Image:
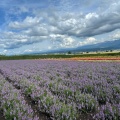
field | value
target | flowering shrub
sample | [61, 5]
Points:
[86, 102]
[65, 112]
[108, 112]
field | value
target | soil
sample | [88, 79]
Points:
[1, 115]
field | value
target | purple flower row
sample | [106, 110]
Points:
[13, 103]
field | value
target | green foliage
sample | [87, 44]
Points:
[50, 85]
[66, 112]
[59, 80]
[111, 112]
[37, 78]
[116, 93]
[102, 96]
[8, 107]
[109, 80]
[86, 102]
[89, 89]
[68, 92]
[48, 102]
[29, 89]
[116, 89]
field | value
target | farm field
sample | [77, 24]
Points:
[59, 90]
[98, 58]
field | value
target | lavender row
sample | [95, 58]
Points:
[44, 99]
[100, 79]
[13, 103]
[62, 92]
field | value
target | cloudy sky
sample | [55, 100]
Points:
[39, 25]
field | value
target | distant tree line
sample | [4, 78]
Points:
[19, 57]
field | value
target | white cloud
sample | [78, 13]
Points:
[26, 23]
[91, 16]
[80, 25]
[11, 40]
[68, 42]
[115, 35]
[37, 31]
[87, 41]
[91, 39]
[49, 47]
[28, 50]
[5, 51]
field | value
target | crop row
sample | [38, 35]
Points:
[68, 90]
[45, 100]
[13, 104]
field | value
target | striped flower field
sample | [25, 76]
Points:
[59, 90]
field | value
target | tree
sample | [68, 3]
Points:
[69, 52]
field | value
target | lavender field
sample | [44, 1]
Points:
[59, 90]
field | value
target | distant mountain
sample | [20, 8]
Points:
[107, 45]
